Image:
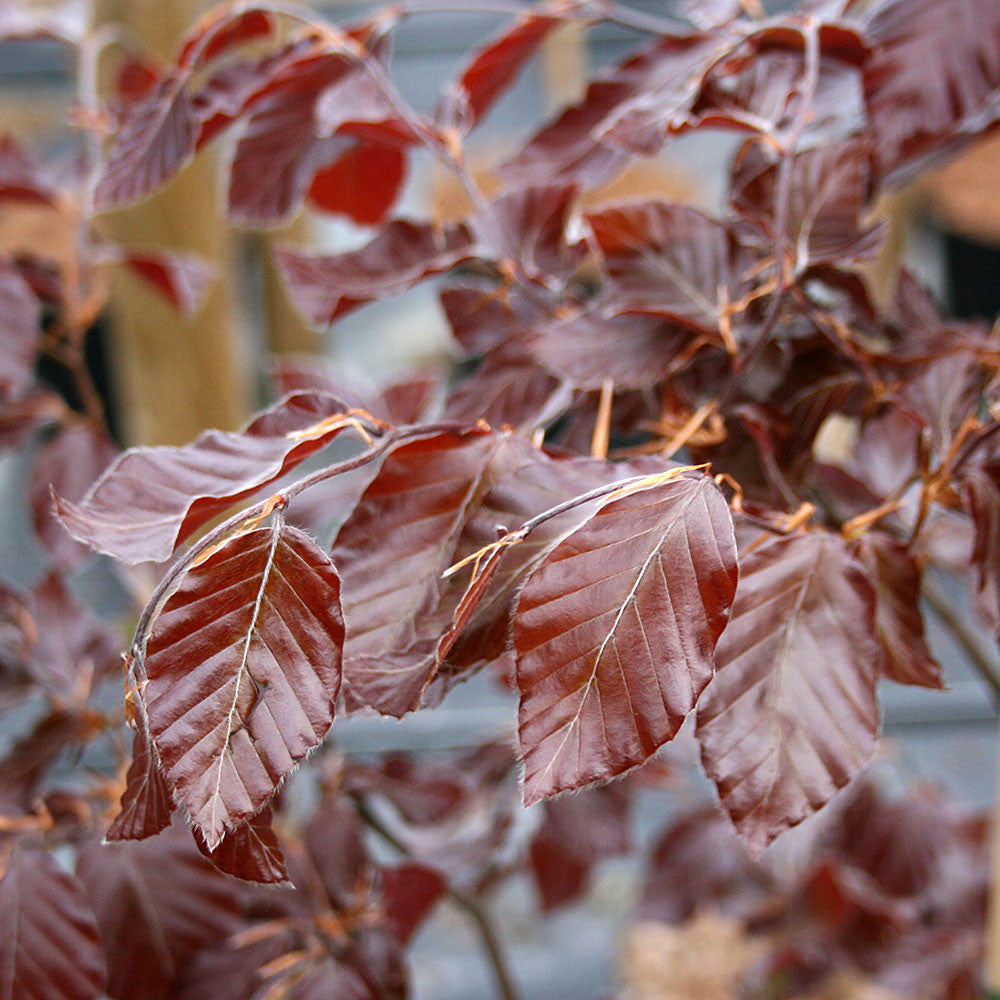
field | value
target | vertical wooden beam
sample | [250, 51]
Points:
[175, 376]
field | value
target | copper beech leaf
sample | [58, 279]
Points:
[160, 135]
[895, 575]
[249, 851]
[494, 68]
[49, 948]
[158, 903]
[615, 633]
[147, 803]
[417, 506]
[791, 716]
[670, 260]
[244, 670]
[151, 499]
[324, 288]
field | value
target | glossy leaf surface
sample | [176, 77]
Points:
[151, 499]
[244, 670]
[615, 633]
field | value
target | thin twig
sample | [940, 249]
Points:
[963, 634]
[506, 989]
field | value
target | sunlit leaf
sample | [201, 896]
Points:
[152, 499]
[244, 671]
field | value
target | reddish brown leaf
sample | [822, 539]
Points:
[895, 575]
[363, 183]
[700, 862]
[67, 463]
[418, 504]
[158, 903]
[182, 279]
[152, 499]
[634, 106]
[578, 832]
[249, 851]
[829, 195]
[49, 948]
[402, 255]
[147, 803]
[791, 716]
[157, 139]
[409, 893]
[160, 135]
[527, 482]
[280, 148]
[765, 90]
[21, 331]
[244, 670]
[494, 68]
[670, 260]
[933, 77]
[611, 653]
[504, 391]
[335, 842]
[588, 348]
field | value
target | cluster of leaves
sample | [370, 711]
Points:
[530, 517]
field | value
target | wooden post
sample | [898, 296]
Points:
[175, 376]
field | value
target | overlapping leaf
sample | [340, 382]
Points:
[673, 261]
[147, 802]
[791, 716]
[418, 504]
[402, 255]
[934, 77]
[615, 633]
[281, 148]
[633, 107]
[161, 134]
[527, 482]
[157, 903]
[152, 499]
[895, 575]
[49, 948]
[828, 196]
[244, 670]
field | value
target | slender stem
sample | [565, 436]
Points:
[963, 634]
[506, 988]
